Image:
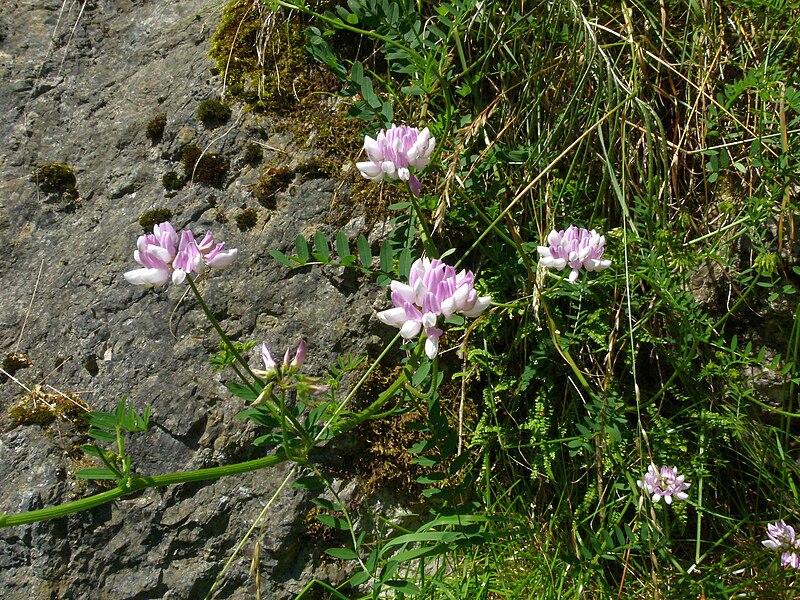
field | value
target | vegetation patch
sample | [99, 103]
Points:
[213, 113]
[13, 362]
[246, 219]
[253, 154]
[57, 178]
[208, 169]
[155, 216]
[172, 182]
[40, 407]
[155, 128]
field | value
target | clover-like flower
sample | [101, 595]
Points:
[285, 375]
[780, 536]
[271, 368]
[790, 559]
[664, 483]
[166, 254]
[574, 248]
[434, 290]
[395, 151]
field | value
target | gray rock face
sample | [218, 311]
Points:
[81, 80]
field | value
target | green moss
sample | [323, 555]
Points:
[272, 181]
[13, 362]
[209, 168]
[155, 127]
[56, 178]
[38, 407]
[153, 217]
[213, 113]
[246, 219]
[172, 181]
[253, 154]
[220, 216]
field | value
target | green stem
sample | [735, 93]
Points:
[225, 339]
[136, 483]
[427, 238]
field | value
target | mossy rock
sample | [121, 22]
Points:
[208, 169]
[56, 178]
[154, 217]
[172, 181]
[247, 219]
[155, 128]
[213, 113]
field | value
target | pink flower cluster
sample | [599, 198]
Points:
[664, 483]
[781, 536]
[395, 151]
[271, 367]
[574, 247]
[285, 374]
[434, 290]
[165, 254]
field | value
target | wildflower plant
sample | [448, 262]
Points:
[664, 483]
[782, 537]
[434, 292]
[395, 151]
[576, 248]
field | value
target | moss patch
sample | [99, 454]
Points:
[155, 128]
[247, 219]
[153, 217]
[57, 178]
[253, 154]
[208, 169]
[213, 113]
[42, 408]
[13, 362]
[272, 181]
[172, 182]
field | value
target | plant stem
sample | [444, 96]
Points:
[225, 339]
[136, 483]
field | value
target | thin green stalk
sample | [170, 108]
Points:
[135, 483]
[225, 339]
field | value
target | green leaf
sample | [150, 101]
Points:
[323, 252]
[342, 553]
[359, 578]
[95, 473]
[387, 258]
[309, 482]
[281, 258]
[404, 266]
[302, 249]
[241, 391]
[333, 522]
[326, 504]
[401, 585]
[102, 435]
[342, 245]
[364, 252]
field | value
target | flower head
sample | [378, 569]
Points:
[790, 559]
[780, 536]
[285, 375]
[664, 483]
[395, 151]
[574, 248]
[166, 254]
[434, 290]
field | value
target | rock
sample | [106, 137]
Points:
[85, 101]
